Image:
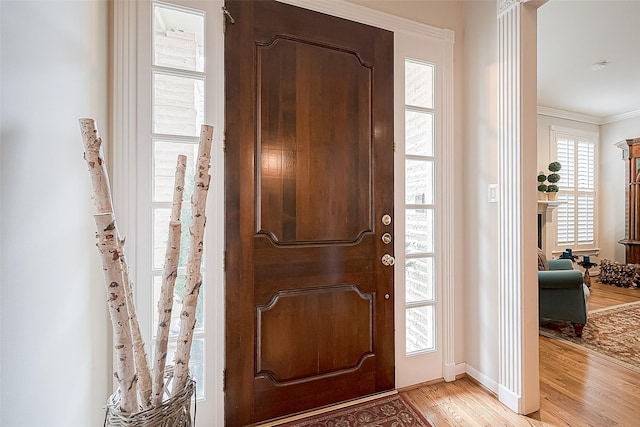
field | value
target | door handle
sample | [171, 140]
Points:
[388, 260]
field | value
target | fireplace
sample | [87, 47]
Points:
[545, 218]
[540, 224]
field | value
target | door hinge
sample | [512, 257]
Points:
[224, 260]
[395, 146]
[226, 16]
[224, 380]
[224, 141]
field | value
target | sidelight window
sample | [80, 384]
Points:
[177, 113]
[420, 296]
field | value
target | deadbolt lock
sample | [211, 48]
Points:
[386, 238]
[386, 219]
[388, 260]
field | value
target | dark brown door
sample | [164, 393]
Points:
[309, 176]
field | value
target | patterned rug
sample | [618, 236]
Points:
[613, 333]
[389, 411]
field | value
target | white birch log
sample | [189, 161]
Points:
[194, 276]
[104, 206]
[165, 304]
[117, 302]
[97, 169]
[139, 354]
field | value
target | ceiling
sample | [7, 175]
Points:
[575, 34]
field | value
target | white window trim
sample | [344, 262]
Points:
[558, 132]
[131, 30]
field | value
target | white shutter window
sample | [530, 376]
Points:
[566, 219]
[585, 218]
[565, 155]
[575, 216]
[586, 166]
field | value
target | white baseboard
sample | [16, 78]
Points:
[509, 399]
[451, 370]
[486, 381]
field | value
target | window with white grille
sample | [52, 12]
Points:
[420, 298]
[576, 213]
[168, 81]
[177, 112]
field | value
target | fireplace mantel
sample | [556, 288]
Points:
[545, 216]
[546, 207]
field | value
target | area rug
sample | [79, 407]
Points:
[612, 332]
[389, 411]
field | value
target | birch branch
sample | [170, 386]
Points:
[125, 372]
[117, 269]
[194, 276]
[97, 169]
[165, 304]
[139, 354]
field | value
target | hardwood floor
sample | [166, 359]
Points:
[607, 296]
[576, 388]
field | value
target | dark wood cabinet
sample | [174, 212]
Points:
[631, 155]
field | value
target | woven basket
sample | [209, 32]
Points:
[174, 412]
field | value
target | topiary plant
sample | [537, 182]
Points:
[554, 177]
[555, 166]
[542, 178]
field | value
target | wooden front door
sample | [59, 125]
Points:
[309, 176]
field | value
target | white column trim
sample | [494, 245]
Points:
[124, 124]
[518, 380]
[448, 206]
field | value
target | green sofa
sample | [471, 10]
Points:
[562, 294]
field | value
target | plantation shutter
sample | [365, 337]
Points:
[566, 211]
[576, 214]
[586, 194]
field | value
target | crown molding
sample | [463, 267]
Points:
[365, 15]
[621, 117]
[586, 118]
[569, 115]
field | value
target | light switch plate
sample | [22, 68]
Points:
[493, 193]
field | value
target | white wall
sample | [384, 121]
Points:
[55, 357]
[611, 183]
[479, 253]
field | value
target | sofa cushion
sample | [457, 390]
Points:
[543, 265]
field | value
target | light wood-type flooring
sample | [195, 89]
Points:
[576, 388]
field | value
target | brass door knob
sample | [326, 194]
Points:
[388, 260]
